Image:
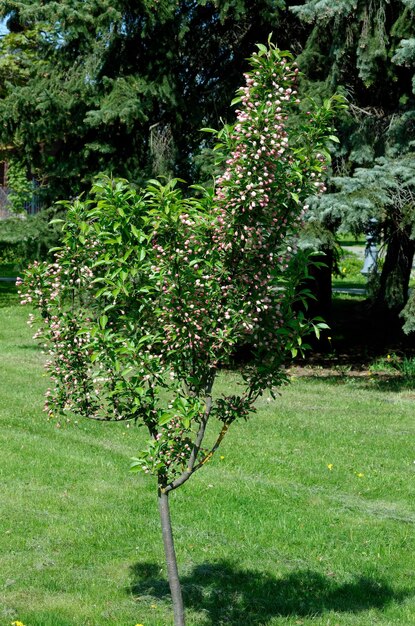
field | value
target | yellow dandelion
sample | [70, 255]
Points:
[221, 457]
[359, 474]
[17, 623]
[389, 357]
[330, 466]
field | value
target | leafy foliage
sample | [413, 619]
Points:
[20, 187]
[25, 238]
[153, 288]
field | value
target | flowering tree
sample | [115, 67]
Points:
[153, 289]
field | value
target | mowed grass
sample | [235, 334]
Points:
[305, 516]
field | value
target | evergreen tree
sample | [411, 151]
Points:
[366, 50]
[121, 87]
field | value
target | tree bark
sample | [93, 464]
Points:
[396, 271]
[320, 285]
[171, 560]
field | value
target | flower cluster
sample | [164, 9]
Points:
[272, 165]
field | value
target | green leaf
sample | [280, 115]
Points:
[165, 418]
[186, 421]
[323, 325]
[236, 101]
[103, 320]
[135, 465]
[135, 231]
[295, 197]
[262, 49]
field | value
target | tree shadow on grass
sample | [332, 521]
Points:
[229, 595]
[373, 382]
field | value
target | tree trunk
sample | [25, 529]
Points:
[171, 560]
[320, 285]
[396, 271]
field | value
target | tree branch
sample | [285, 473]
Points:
[218, 441]
[196, 446]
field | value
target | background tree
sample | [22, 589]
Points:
[121, 87]
[152, 289]
[366, 50]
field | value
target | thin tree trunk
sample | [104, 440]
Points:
[171, 560]
[394, 280]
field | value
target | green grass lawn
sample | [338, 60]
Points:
[8, 293]
[349, 239]
[306, 515]
[349, 276]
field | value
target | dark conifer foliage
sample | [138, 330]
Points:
[366, 50]
[124, 87]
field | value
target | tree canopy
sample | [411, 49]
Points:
[122, 87]
[366, 50]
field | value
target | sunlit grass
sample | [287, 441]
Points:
[349, 239]
[8, 292]
[305, 516]
[349, 274]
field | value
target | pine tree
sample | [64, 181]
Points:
[120, 87]
[366, 50]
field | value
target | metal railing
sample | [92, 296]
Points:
[32, 206]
